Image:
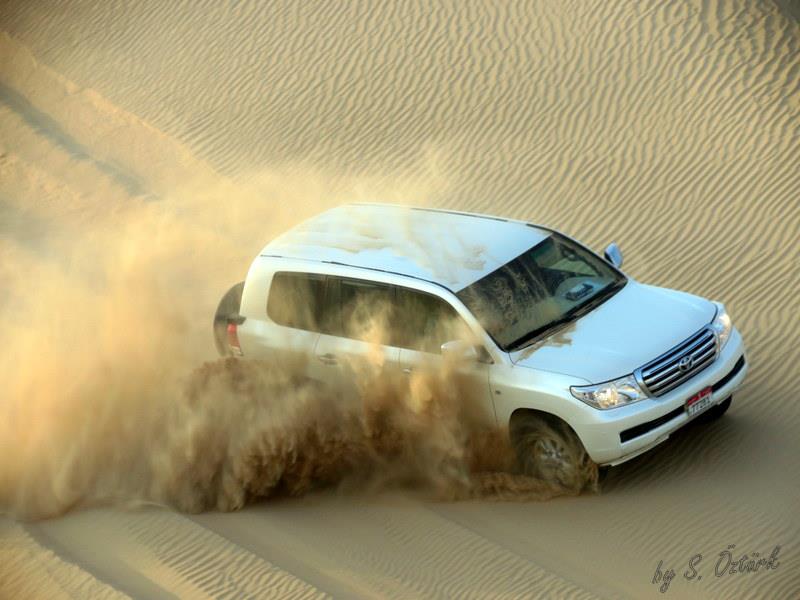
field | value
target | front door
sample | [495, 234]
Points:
[428, 321]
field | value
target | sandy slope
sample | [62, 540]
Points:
[673, 128]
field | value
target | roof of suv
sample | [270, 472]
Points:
[449, 248]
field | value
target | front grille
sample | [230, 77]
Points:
[680, 364]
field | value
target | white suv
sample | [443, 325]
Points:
[570, 351]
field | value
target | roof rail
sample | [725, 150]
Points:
[352, 266]
[435, 210]
[454, 212]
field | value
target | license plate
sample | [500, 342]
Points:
[699, 402]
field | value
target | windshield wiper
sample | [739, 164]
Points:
[572, 314]
[568, 316]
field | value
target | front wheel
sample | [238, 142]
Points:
[548, 449]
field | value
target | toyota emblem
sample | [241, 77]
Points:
[686, 363]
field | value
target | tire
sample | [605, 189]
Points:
[716, 411]
[227, 309]
[602, 474]
[548, 449]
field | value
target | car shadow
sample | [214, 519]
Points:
[697, 446]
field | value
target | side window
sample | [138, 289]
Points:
[296, 300]
[425, 322]
[367, 311]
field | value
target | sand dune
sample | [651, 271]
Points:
[672, 128]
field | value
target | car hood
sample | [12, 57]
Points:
[637, 324]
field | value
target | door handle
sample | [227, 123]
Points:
[407, 370]
[328, 358]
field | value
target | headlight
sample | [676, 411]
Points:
[612, 394]
[722, 325]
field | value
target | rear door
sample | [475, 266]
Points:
[356, 348]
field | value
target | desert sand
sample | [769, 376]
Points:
[148, 150]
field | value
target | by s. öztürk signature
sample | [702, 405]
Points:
[728, 562]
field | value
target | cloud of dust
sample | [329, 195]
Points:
[110, 396]
[111, 393]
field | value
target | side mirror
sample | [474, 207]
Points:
[459, 352]
[613, 255]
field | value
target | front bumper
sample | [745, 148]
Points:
[615, 436]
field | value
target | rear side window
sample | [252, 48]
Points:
[367, 311]
[296, 300]
[424, 322]
[364, 310]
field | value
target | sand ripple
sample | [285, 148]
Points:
[673, 128]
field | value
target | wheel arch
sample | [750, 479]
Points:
[548, 417]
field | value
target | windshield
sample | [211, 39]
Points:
[552, 283]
